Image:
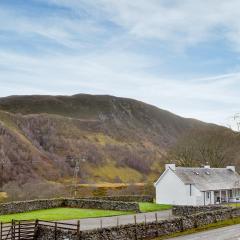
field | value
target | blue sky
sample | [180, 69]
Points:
[180, 55]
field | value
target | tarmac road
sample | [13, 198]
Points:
[225, 233]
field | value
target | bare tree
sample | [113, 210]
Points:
[214, 146]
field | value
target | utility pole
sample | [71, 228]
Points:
[236, 119]
[75, 175]
[2, 162]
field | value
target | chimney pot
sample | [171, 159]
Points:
[207, 166]
[171, 166]
[231, 168]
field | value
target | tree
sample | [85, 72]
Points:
[213, 146]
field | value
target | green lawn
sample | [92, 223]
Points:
[151, 207]
[233, 205]
[61, 214]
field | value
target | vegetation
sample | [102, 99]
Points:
[203, 228]
[151, 207]
[233, 205]
[56, 214]
[121, 140]
[207, 145]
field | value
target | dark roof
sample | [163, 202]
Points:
[209, 178]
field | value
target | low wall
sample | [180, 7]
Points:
[26, 206]
[102, 204]
[125, 198]
[189, 210]
[141, 231]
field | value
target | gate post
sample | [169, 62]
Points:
[1, 230]
[19, 230]
[13, 230]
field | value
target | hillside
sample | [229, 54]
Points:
[121, 140]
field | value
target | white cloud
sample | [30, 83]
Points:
[120, 70]
[125, 76]
[62, 29]
[181, 22]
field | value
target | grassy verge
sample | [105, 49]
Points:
[152, 207]
[233, 205]
[56, 214]
[220, 224]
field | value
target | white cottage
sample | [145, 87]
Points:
[197, 186]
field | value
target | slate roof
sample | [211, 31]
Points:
[209, 179]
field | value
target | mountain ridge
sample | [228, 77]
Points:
[122, 140]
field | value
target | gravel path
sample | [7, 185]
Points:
[93, 223]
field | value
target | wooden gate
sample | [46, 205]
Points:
[18, 230]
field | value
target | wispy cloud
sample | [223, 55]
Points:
[178, 21]
[126, 48]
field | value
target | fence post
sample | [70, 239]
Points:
[181, 221]
[78, 227]
[36, 229]
[101, 223]
[135, 222]
[55, 231]
[1, 230]
[117, 222]
[156, 218]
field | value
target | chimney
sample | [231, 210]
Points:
[207, 166]
[231, 168]
[171, 166]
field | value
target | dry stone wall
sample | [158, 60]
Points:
[141, 231]
[188, 210]
[102, 204]
[125, 198]
[26, 206]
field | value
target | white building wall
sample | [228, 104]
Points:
[171, 190]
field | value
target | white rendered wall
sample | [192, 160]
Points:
[171, 190]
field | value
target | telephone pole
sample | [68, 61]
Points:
[77, 162]
[236, 119]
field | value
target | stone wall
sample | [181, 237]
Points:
[188, 210]
[125, 198]
[142, 231]
[102, 204]
[26, 206]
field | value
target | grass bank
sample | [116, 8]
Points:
[220, 224]
[58, 214]
[152, 207]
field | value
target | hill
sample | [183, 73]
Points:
[121, 140]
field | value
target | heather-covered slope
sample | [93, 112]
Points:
[121, 139]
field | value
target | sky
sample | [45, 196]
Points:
[179, 55]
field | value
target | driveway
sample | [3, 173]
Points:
[225, 233]
[93, 223]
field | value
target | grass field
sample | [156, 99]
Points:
[152, 207]
[76, 213]
[61, 214]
